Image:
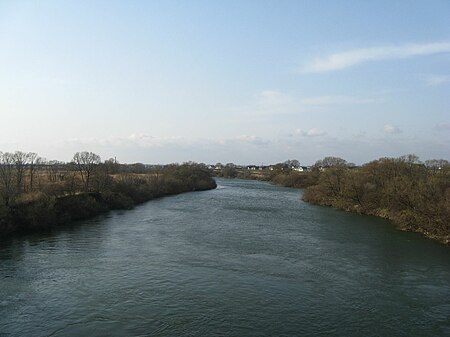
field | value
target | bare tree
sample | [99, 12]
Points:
[294, 163]
[331, 162]
[410, 159]
[112, 165]
[102, 178]
[437, 164]
[53, 169]
[20, 163]
[33, 161]
[86, 163]
[7, 176]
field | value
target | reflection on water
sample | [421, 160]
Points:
[245, 259]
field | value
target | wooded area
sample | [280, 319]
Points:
[36, 194]
[415, 195]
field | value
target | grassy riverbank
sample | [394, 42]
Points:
[67, 198]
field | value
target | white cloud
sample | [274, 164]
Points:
[240, 140]
[392, 129]
[342, 60]
[314, 132]
[254, 140]
[435, 80]
[141, 147]
[306, 146]
[144, 141]
[136, 139]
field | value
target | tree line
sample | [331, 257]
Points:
[36, 194]
[414, 194]
[25, 172]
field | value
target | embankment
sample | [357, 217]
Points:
[42, 211]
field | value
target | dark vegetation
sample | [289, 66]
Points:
[36, 194]
[414, 195]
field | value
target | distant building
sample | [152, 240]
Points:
[301, 169]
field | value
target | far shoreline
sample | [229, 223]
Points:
[390, 216]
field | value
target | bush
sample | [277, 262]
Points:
[34, 214]
[116, 200]
[77, 207]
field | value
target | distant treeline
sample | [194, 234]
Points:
[36, 194]
[414, 194]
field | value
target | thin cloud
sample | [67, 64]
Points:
[314, 132]
[342, 60]
[435, 80]
[146, 141]
[241, 140]
[392, 129]
[254, 140]
[336, 100]
[136, 139]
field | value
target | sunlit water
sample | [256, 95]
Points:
[246, 259]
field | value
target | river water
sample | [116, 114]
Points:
[246, 259]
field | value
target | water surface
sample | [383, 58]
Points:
[247, 259]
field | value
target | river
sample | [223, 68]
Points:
[246, 259]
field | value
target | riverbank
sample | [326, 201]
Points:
[432, 228]
[41, 211]
[414, 197]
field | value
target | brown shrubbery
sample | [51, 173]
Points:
[62, 193]
[414, 195]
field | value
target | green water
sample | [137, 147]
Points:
[247, 259]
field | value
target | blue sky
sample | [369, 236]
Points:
[225, 81]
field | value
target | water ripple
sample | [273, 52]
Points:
[247, 259]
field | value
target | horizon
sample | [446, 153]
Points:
[47, 161]
[245, 83]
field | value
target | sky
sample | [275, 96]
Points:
[249, 82]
